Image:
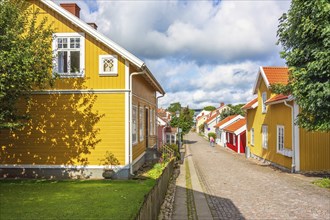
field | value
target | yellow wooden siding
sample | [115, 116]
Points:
[68, 129]
[314, 151]
[93, 48]
[277, 114]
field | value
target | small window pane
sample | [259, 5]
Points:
[62, 61]
[75, 62]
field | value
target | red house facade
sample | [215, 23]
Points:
[236, 136]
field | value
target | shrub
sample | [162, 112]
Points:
[212, 134]
[201, 128]
[176, 150]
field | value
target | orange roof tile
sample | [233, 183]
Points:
[211, 118]
[276, 74]
[250, 103]
[225, 120]
[276, 98]
[236, 125]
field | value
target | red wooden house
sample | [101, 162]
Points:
[236, 135]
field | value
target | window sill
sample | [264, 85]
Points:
[285, 152]
[71, 76]
[108, 74]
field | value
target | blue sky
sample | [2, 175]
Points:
[202, 52]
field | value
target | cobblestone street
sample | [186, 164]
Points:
[240, 188]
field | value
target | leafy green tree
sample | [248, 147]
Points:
[304, 33]
[209, 108]
[174, 107]
[232, 110]
[184, 121]
[25, 58]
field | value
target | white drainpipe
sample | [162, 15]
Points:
[130, 120]
[293, 165]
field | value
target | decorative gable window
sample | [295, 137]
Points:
[265, 136]
[108, 65]
[69, 50]
[264, 99]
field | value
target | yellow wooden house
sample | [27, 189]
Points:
[103, 101]
[272, 134]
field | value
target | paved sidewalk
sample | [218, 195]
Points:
[238, 188]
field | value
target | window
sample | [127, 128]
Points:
[280, 138]
[264, 99]
[152, 122]
[108, 65]
[141, 125]
[168, 138]
[134, 125]
[234, 140]
[265, 136]
[252, 136]
[228, 138]
[172, 139]
[69, 50]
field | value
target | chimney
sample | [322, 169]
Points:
[73, 8]
[222, 104]
[93, 25]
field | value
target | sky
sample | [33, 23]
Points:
[201, 52]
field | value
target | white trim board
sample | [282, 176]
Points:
[80, 91]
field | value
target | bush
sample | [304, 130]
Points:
[212, 134]
[201, 128]
[176, 150]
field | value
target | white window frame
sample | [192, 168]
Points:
[114, 72]
[264, 99]
[252, 136]
[81, 49]
[134, 124]
[234, 140]
[172, 138]
[265, 136]
[168, 138]
[141, 123]
[280, 139]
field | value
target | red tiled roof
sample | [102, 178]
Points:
[276, 98]
[225, 120]
[211, 118]
[276, 74]
[250, 103]
[236, 125]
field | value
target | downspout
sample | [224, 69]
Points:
[161, 96]
[130, 120]
[293, 165]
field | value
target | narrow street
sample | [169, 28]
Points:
[220, 184]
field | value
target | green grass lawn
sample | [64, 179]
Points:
[324, 183]
[72, 199]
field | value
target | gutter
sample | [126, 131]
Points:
[293, 165]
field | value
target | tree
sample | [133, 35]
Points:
[232, 110]
[209, 108]
[174, 107]
[184, 121]
[25, 58]
[304, 33]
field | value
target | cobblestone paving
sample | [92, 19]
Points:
[239, 188]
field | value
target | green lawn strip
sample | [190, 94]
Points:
[89, 199]
[191, 207]
[324, 183]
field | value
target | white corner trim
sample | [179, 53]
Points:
[88, 29]
[296, 136]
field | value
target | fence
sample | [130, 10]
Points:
[153, 201]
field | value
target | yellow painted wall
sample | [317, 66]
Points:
[278, 114]
[67, 129]
[93, 49]
[314, 151]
